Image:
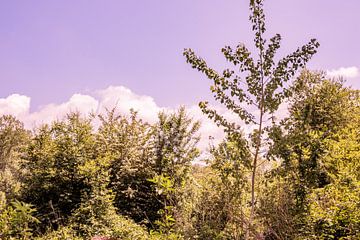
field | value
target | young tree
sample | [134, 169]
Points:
[253, 83]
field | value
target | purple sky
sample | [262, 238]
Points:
[50, 50]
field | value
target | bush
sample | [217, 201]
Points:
[15, 219]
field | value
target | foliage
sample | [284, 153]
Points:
[317, 147]
[13, 138]
[164, 187]
[319, 109]
[96, 214]
[54, 161]
[334, 210]
[263, 88]
[175, 145]
[219, 193]
[62, 233]
[129, 179]
[127, 142]
[15, 219]
[174, 142]
[277, 208]
[80, 180]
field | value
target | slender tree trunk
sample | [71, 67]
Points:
[253, 176]
[257, 147]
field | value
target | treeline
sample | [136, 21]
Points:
[128, 179]
[84, 182]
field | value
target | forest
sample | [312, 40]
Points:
[112, 176]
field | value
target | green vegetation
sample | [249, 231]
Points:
[132, 180]
[265, 87]
[291, 178]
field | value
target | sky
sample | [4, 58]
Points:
[57, 56]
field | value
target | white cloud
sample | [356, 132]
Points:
[123, 99]
[84, 104]
[346, 72]
[15, 104]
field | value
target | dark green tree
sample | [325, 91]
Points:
[54, 162]
[252, 83]
[127, 142]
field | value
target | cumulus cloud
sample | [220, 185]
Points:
[15, 104]
[123, 99]
[84, 104]
[347, 72]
